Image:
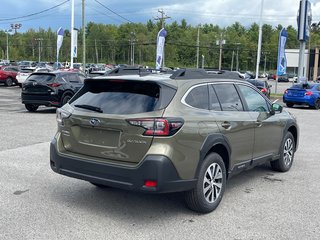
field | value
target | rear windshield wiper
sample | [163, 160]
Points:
[89, 107]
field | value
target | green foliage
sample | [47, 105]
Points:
[112, 44]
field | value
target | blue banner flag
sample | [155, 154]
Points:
[160, 47]
[282, 60]
[60, 34]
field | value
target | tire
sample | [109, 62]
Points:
[9, 82]
[31, 107]
[290, 105]
[317, 104]
[209, 190]
[65, 98]
[284, 163]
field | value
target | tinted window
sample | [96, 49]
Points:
[214, 102]
[198, 97]
[26, 70]
[253, 99]
[72, 78]
[41, 77]
[82, 78]
[228, 97]
[117, 97]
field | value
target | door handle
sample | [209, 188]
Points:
[226, 125]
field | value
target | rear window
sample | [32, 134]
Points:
[42, 77]
[257, 83]
[303, 86]
[123, 97]
[26, 70]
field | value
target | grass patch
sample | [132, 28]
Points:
[276, 95]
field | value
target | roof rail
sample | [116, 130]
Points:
[198, 73]
[136, 71]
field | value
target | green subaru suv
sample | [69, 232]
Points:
[186, 132]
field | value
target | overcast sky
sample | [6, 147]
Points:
[221, 12]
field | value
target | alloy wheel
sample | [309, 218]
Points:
[288, 152]
[212, 183]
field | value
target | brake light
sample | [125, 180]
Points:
[308, 93]
[158, 126]
[54, 85]
[264, 90]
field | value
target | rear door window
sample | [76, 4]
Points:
[228, 97]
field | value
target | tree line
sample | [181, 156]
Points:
[106, 43]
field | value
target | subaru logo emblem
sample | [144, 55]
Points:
[94, 122]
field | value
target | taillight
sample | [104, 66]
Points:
[158, 126]
[308, 93]
[61, 115]
[54, 85]
[264, 90]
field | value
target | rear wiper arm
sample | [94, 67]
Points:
[89, 107]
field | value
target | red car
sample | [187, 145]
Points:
[8, 75]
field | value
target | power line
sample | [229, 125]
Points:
[33, 14]
[113, 11]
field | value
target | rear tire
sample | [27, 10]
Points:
[31, 107]
[317, 104]
[9, 82]
[284, 163]
[65, 99]
[290, 105]
[211, 184]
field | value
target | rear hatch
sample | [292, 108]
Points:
[39, 84]
[101, 125]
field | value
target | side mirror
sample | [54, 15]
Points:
[276, 108]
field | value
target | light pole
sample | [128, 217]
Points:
[7, 32]
[40, 40]
[15, 26]
[220, 42]
[237, 57]
[259, 41]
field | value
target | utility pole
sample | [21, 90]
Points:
[232, 60]
[198, 42]
[237, 57]
[96, 50]
[162, 20]
[39, 45]
[83, 38]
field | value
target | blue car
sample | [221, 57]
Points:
[303, 94]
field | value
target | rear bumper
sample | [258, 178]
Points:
[154, 167]
[299, 101]
[41, 100]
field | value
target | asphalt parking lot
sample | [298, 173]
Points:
[36, 203]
